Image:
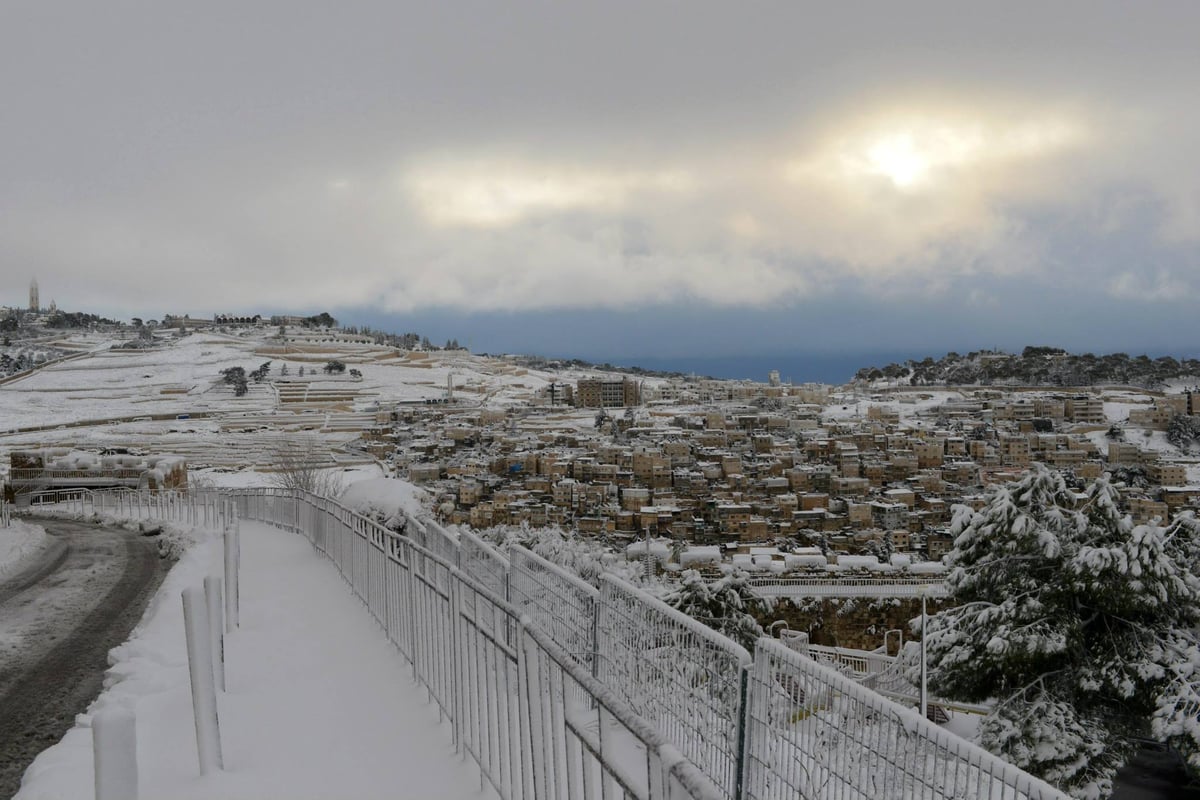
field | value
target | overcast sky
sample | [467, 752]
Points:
[616, 178]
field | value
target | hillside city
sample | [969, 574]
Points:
[764, 474]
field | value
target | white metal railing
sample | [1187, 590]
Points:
[556, 601]
[484, 563]
[562, 691]
[879, 672]
[537, 723]
[207, 508]
[812, 732]
[681, 675]
[847, 587]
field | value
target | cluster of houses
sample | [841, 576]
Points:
[768, 467]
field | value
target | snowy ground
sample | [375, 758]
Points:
[130, 398]
[319, 704]
[20, 542]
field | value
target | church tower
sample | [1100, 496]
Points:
[34, 304]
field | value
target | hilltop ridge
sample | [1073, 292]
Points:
[1035, 366]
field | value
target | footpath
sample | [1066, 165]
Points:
[318, 704]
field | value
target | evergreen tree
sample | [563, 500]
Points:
[1184, 431]
[1075, 622]
[726, 605]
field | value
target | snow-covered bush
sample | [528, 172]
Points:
[587, 558]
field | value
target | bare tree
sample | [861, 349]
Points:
[304, 464]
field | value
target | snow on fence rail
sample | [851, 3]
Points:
[557, 602]
[881, 673]
[536, 722]
[812, 732]
[482, 562]
[681, 675]
[848, 587]
[541, 722]
[196, 508]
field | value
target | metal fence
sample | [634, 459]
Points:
[434, 538]
[797, 586]
[557, 602]
[484, 563]
[684, 677]
[197, 508]
[536, 722]
[812, 732]
[541, 686]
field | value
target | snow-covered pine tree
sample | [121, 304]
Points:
[726, 605]
[1076, 622]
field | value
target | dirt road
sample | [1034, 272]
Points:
[58, 620]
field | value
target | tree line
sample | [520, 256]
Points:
[1035, 366]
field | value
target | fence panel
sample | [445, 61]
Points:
[685, 678]
[434, 538]
[812, 732]
[487, 709]
[197, 508]
[430, 587]
[484, 563]
[557, 602]
[583, 740]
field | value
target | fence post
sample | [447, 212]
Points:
[536, 696]
[213, 600]
[525, 715]
[204, 693]
[114, 749]
[457, 659]
[233, 558]
[743, 730]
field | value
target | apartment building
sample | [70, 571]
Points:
[607, 393]
[1084, 408]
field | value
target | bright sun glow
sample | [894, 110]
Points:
[897, 158]
[917, 154]
[913, 157]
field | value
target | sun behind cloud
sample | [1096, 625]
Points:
[919, 151]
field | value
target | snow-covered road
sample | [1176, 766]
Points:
[59, 617]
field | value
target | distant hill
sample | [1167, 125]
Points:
[1035, 366]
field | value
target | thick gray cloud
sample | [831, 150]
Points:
[765, 160]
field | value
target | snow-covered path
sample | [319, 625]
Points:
[319, 704]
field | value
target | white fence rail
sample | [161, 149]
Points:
[538, 724]
[848, 587]
[557, 690]
[557, 602]
[198, 508]
[484, 563]
[814, 733]
[681, 675]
